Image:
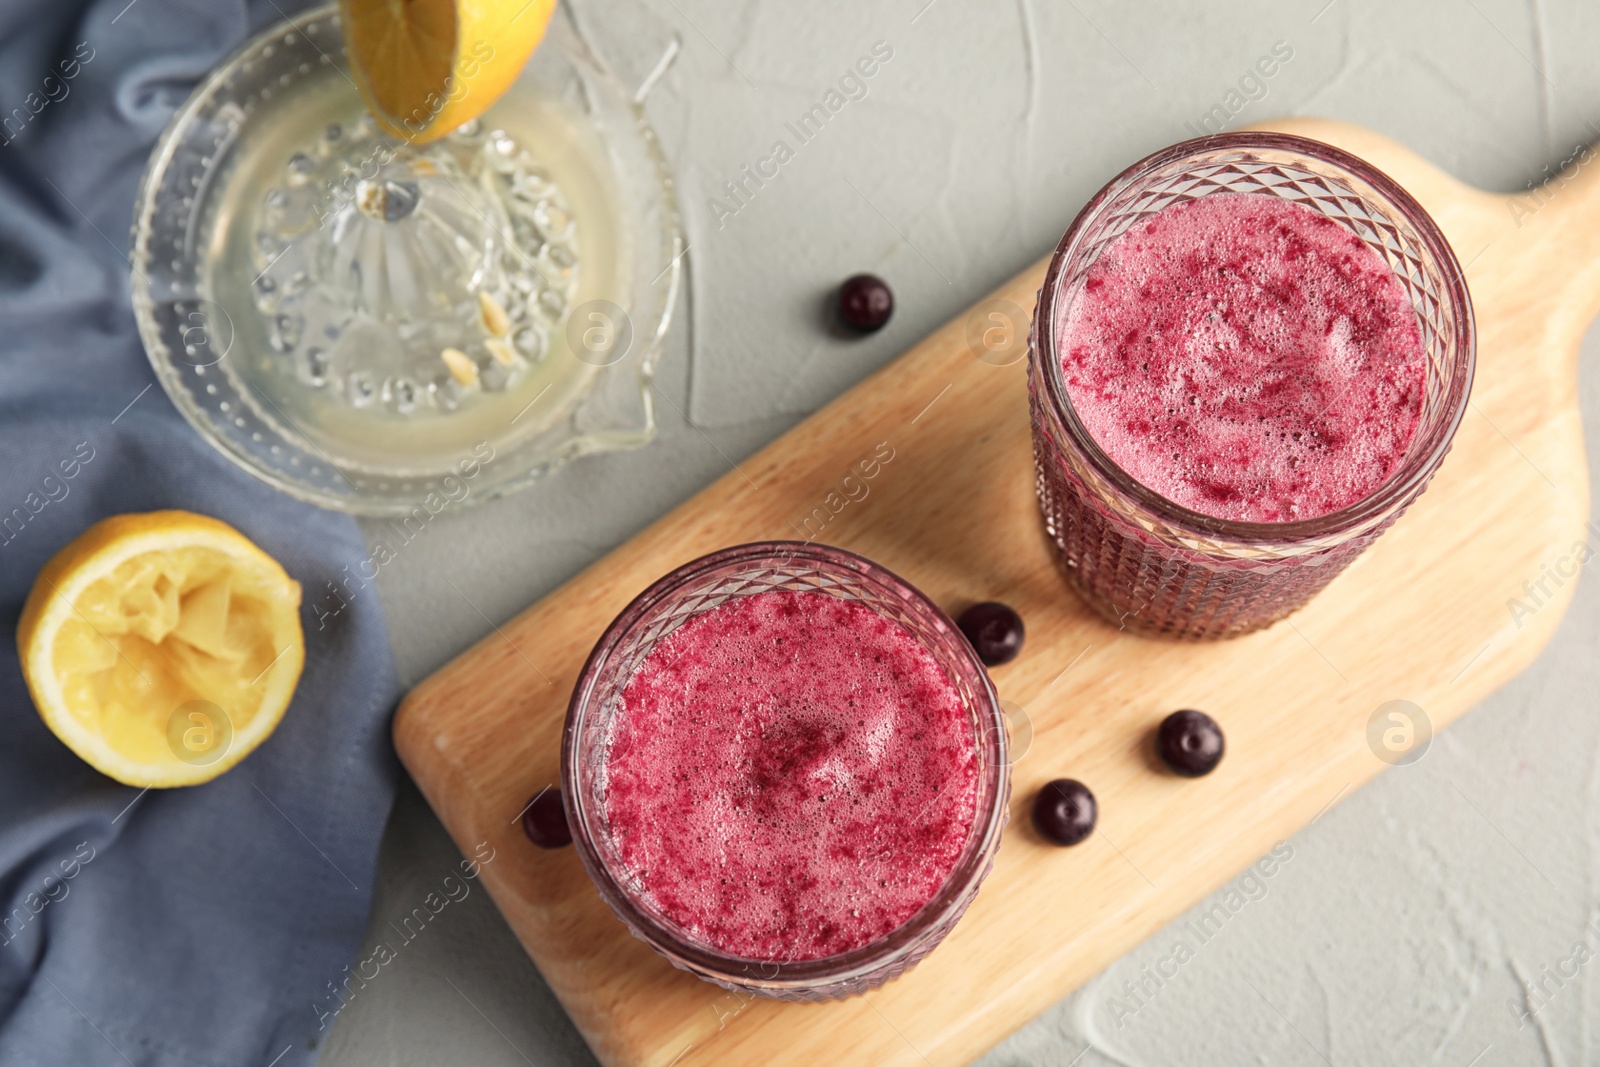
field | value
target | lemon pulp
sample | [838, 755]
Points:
[163, 647]
[162, 630]
[425, 67]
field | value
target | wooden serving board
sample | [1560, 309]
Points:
[1423, 616]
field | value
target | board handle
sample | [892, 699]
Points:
[1552, 231]
[1574, 182]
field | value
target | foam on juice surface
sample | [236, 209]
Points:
[1247, 358]
[790, 776]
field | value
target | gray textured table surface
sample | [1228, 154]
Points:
[1412, 916]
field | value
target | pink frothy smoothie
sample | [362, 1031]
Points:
[1247, 358]
[790, 776]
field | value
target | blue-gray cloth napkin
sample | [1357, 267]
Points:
[193, 927]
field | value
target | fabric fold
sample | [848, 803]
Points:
[174, 928]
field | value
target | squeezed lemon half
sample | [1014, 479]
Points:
[425, 67]
[162, 647]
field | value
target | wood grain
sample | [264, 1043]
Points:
[1425, 616]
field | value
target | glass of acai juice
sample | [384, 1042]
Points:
[1248, 358]
[786, 771]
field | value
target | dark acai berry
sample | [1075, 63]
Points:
[544, 820]
[865, 302]
[994, 630]
[1064, 811]
[1190, 742]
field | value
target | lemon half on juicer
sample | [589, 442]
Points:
[162, 647]
[424, 67]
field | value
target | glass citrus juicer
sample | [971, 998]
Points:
[358, 303]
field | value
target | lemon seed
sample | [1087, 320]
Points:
[462, 369]
[499, 350]
[495, 319]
